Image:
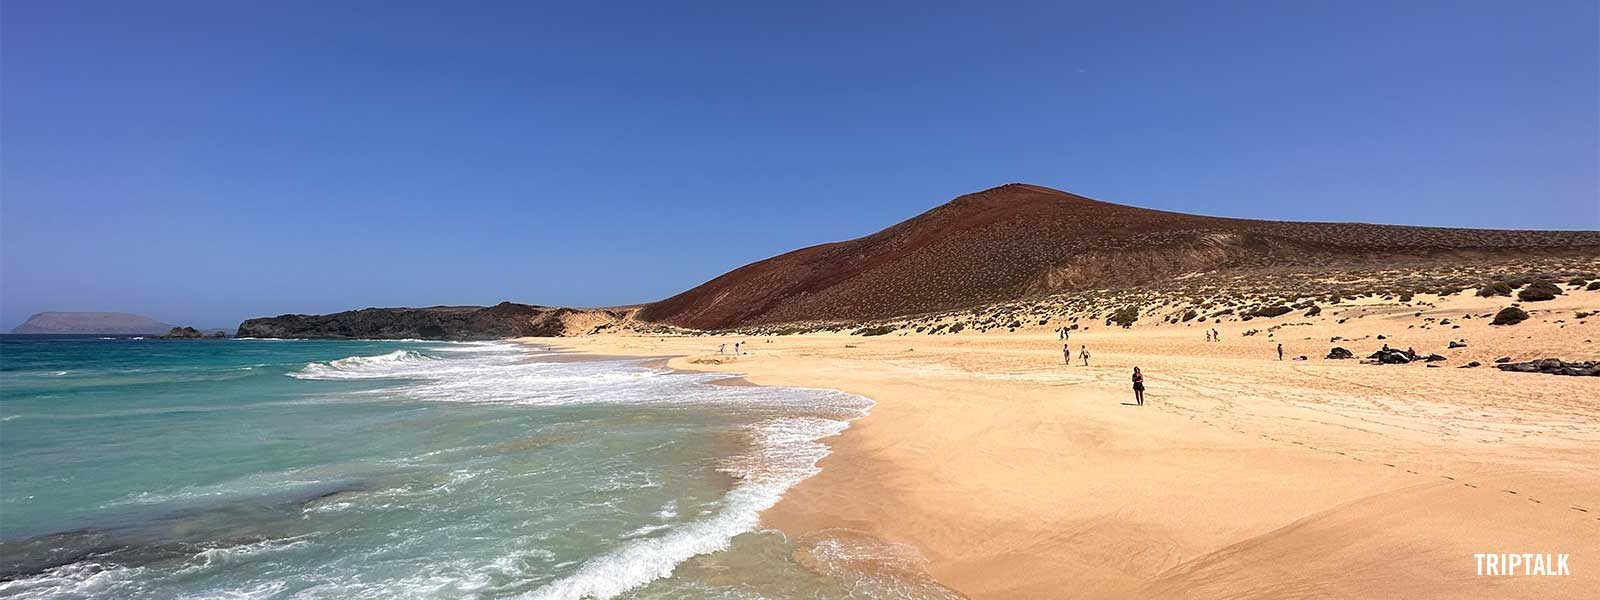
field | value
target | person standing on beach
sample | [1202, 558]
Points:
[1208, 335]
[1280, 351]
[1066, 354]
[1085, 355]
[722, 348]
[1138, 386]
[736, 348]
[1215, 337]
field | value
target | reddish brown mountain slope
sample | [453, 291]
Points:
[1019, 240]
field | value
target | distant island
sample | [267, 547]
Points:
[92, 322]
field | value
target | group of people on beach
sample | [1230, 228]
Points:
[723, 348]
[1212, 335]
[1138, 378]
[1066, 354]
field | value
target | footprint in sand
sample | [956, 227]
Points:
[1512, 492]
[1469, 485]
[1448, 477]
[1578, 508]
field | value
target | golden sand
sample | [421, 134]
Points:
[1019, 477]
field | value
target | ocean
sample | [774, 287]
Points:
[138, 468]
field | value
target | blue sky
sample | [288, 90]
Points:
[209, 161]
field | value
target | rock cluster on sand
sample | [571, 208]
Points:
[1338, 353]
[1391, 356]
[182, 333]
[1555, 366]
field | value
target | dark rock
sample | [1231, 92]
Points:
[1502, 360]
[1383, 337]
[1434, 358]
[1271, 311]
[1390, 356]
[182, 333]
[1471, 365]
[1338, 353]
[1460, 344]
[1509, 315]
[1314, 311]
[1555, 366]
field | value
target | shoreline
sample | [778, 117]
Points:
[1017, 477]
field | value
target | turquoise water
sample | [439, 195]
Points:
[133, 468]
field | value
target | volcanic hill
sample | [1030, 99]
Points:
[1017, 241]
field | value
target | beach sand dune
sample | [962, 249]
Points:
[1243, 477]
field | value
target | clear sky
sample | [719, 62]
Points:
[203, 162]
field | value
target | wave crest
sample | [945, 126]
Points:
[393, 364]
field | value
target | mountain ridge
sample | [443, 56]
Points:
[1019, 240]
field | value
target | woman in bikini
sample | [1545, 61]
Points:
[1138, 386]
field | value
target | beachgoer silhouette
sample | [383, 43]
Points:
[1280, 351]
[1138, 386]
[1066, 353]
[722, 348]
[1085, 355]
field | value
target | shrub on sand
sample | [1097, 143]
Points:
[1539, 291]
[1510, 315]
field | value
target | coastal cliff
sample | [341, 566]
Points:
[504, 320]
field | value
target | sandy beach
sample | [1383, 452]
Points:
[1017, 476]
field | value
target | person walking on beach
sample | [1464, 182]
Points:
[1084, 355]
[1138, 386]
[1066, 354]
[736, 348]
[722, 348]
[1208, 335]
[1280, 351]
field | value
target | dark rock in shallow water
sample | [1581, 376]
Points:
[182, 333]
[1338, 353]
[1555, 366]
